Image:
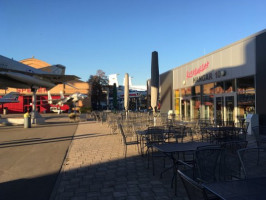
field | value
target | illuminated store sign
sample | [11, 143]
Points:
[198, 70]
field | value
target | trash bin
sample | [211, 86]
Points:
[27, 120]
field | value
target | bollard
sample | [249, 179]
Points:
[27, 120]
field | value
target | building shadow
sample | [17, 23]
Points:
[119, 179]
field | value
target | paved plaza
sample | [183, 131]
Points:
[95, 168]
[92, 160]
[31, 159]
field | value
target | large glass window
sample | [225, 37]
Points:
[246, 104]
[245, 84]
[27, 100]
[207, 107]
[245, 96]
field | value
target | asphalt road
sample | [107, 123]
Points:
[30, 159]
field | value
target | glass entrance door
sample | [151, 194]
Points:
[185, 109]
[225, 109]
[229, 108]
[219, 110]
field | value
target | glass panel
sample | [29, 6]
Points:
[246, 104]
[245, 84]
[185, 109]
[229, 86]
[177, 93]
[177, 106]
[219, 110]
[229, 107]
[188, 91]
[25, 101]
[183, 92]
[38, 100]
[188, 109]
[207, 107]
[208, 88]
[195, 90]
[195, 108]
[219, 87]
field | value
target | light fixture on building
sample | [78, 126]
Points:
[223, 73]
[184, 82]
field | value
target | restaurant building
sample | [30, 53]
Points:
[42, 105]
[223, 85]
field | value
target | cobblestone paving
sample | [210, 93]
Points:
[95, 169]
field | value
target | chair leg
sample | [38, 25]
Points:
[125, 151]
[153, 171]
[148, 157]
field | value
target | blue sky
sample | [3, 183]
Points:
[118, 36]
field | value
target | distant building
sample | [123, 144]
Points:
[25, 98]
[137, 95]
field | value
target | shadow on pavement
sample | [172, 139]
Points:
[118, 179]
[34, 141]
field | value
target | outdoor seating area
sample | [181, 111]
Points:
[200, 153]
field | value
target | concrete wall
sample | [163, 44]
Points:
[236, 60]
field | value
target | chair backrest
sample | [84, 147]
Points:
[189, 133]
[207, 163]
[155, 134]
[176, 132]
[193, 189]
[230, 163]
[253, 162]
[233, 146]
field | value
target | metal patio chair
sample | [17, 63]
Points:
[206, 164]
[230, 163]
[155, 135]
[253, 162]
[125, 141]
[207, 161]
[195, 190]
[260, 135]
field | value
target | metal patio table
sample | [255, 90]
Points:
[169, 149]
[245, 189]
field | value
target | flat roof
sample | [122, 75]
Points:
[221, 49]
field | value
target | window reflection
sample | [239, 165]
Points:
[208, 88]
[186, 92]
[219, 87]
[245, 84]
[195, 108]
[229, 86]
[207, 107]
[245, 96]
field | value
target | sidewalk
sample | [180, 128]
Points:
[95, 169]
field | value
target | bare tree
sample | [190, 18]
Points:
[97, 82]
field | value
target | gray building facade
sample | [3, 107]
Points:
[224, 85]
